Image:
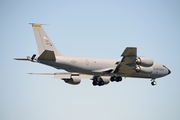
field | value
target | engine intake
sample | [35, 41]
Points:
[144, 61]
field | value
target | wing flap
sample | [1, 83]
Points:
[107, 70]
[62, 75]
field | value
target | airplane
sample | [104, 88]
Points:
[100, 70]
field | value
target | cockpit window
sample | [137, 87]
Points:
[165, 66]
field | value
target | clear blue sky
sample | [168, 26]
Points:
[93, 28]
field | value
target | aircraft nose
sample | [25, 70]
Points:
[169, 72]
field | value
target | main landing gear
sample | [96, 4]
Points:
[153, 82]
[97, 81]
[117, 79]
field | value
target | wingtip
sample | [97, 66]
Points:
[130, 51]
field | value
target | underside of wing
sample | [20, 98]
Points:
[69, 75]
[126, 66]
[106, 70]
[64, 75]
[70, 78]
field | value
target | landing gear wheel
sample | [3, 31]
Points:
[95, 82]
[118, 79]
[153, 83]
[113, 78]
[101, 83]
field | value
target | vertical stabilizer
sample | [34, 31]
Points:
[44, 43]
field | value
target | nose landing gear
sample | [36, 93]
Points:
[153, 82]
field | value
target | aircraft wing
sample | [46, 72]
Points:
[130, 51]
[127, 65]
[64, 75]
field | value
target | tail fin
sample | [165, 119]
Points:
[47, 50]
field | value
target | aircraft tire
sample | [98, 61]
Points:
[113, 78]
[119, 79]
[94, 83]
[101, 83]
[153, 83]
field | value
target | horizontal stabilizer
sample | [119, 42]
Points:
[47, 55]
[25, 59]
[21, 59]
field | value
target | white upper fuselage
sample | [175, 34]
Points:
[100, 67]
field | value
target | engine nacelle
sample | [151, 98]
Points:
[74, 80]
[144, 61]
[105, 79]
[146, 70]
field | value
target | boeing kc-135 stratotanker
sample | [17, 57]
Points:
[100, 71]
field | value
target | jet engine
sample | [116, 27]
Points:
[144, 61]
[141, 69]
[74, 80]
